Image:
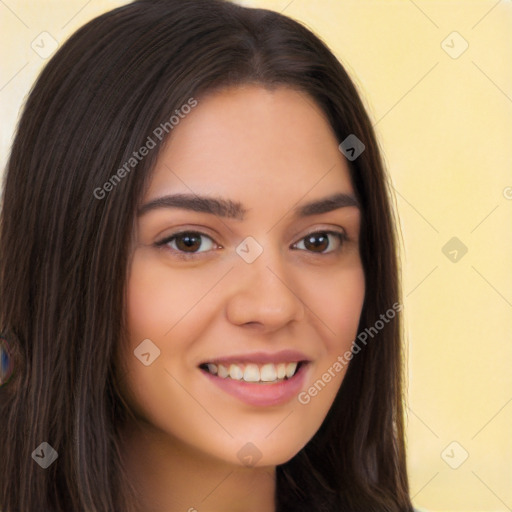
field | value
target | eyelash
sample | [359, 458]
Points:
[340, 235]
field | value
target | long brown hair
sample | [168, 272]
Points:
[64, 252]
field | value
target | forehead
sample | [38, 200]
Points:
[250, 140]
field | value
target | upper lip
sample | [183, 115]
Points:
[284, 356]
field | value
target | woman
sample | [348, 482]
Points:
[198, 275]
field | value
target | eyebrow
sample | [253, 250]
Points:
[235, 210]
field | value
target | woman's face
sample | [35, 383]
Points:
[240, 273]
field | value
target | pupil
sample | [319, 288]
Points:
[189, 242]
[323, 242]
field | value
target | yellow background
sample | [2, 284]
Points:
[445, 126]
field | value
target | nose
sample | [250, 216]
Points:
[264, 293]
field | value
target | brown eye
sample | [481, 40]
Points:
[320, 241]
[187, 242]
[317, 242]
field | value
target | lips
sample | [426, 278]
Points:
[284, 356]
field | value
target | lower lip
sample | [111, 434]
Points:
[262, 394]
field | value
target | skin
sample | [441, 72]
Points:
[272, 151]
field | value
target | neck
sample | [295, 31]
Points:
[173, 477]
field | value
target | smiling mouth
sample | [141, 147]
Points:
[267, 373]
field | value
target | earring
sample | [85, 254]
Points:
[6, 363]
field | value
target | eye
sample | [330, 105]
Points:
[187, 243]
[319, 241]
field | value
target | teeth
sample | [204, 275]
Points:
[235, 372]
[290, 369]
[268, 372]
[251, 372]
[222, 372]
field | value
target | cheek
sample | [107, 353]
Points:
[149, 317]
[163, 305]
[337, 306]
[157, 299]
[348, 311]
[337, 300]
[146, 306]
